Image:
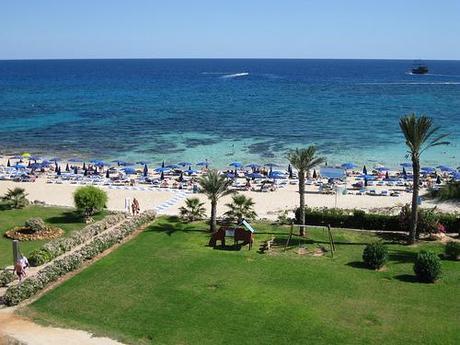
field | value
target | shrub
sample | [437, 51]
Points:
[35, 224]
[428, 219]
[40, 256]
[193, 210]
[427, 267]
[241, 207]
[450, 191]
[452, 250]
[6, 277]
[89, 200]
[16, 198]
[375, 255]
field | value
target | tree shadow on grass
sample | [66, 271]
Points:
[358, 264]
[407, 278]
[65, 218]
[230, 248]
[172, 226]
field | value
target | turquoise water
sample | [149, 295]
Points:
[224, 110]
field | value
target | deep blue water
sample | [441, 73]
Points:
[223, 110]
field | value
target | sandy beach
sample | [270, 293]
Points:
[267, 205]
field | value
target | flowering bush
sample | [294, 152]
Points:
[59, 246]
[30, 286]
[6, 277]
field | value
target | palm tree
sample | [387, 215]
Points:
[193, 210]
[303, 160]
[241, 207]
[214, 186]
[17, 197]
[420, 135]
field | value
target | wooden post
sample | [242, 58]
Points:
[290, 236]
[15, 251]
[331, 240]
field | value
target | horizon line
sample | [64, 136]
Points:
[220, 58]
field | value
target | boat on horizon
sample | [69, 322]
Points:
[419, 68]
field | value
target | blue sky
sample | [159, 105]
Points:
[407, 29]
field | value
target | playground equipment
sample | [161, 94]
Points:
[244, 233]
[329, 233]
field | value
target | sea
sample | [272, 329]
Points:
[224, 110]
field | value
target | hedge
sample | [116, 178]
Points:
[30, 286]
[59, 246]
[358, 219]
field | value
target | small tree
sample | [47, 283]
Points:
[420, 135]
[16, 198]
[215, 186]
[89, 200]
[241, 207]
[303, 160]
[193, 210]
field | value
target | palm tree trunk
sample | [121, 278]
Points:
[213, 216]
[414, 213]
[302, 201]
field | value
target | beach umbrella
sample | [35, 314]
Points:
[8, 164]
[315, 175]
[25, 155]
[162, 176]
[190, 171]
[107, 173]
[348, 165]
[456, 176]
[252, 165]
[387, 175]
[172, 166]
[381, 168]
[162, 170]
[406, 165]
[271, 165]
[67, 167]
[230, 175]
[99, 164]
[235, 164]
[203, 164]
[364, 170]
[445, 168]
[255, 175]
[438, 180]
[75, 170]
[427, 170]
[146, 170]
[125, 164]
[34, 158]
[142, 162]
[19, 166]
[46, 163]
[129, 170]
[84, 166]
[184, 164]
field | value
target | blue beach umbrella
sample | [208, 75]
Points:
[172, 166]
[348, 165]
[445, 168]
[142, 162]
[125, 164]
[146, 170]
[381, 169]
[184, 164]
[235, 164]
[129, 170]
[162, 170]
[34, 158]
[230, 175]
[332, 172]
[100, 164]
[364, 170]
[271, 165]
[456, 176]
[406, 165]
[190, 171]
[427, 170]
[203, 164]
[20, 166]
[252, 165]
[255, 175]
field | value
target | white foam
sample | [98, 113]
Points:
[236, 75]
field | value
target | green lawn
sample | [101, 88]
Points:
[64, 218]
[167, 287]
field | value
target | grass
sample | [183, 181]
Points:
[167, 287]
[64, 218]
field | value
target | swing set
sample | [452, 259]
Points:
[292, 234]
